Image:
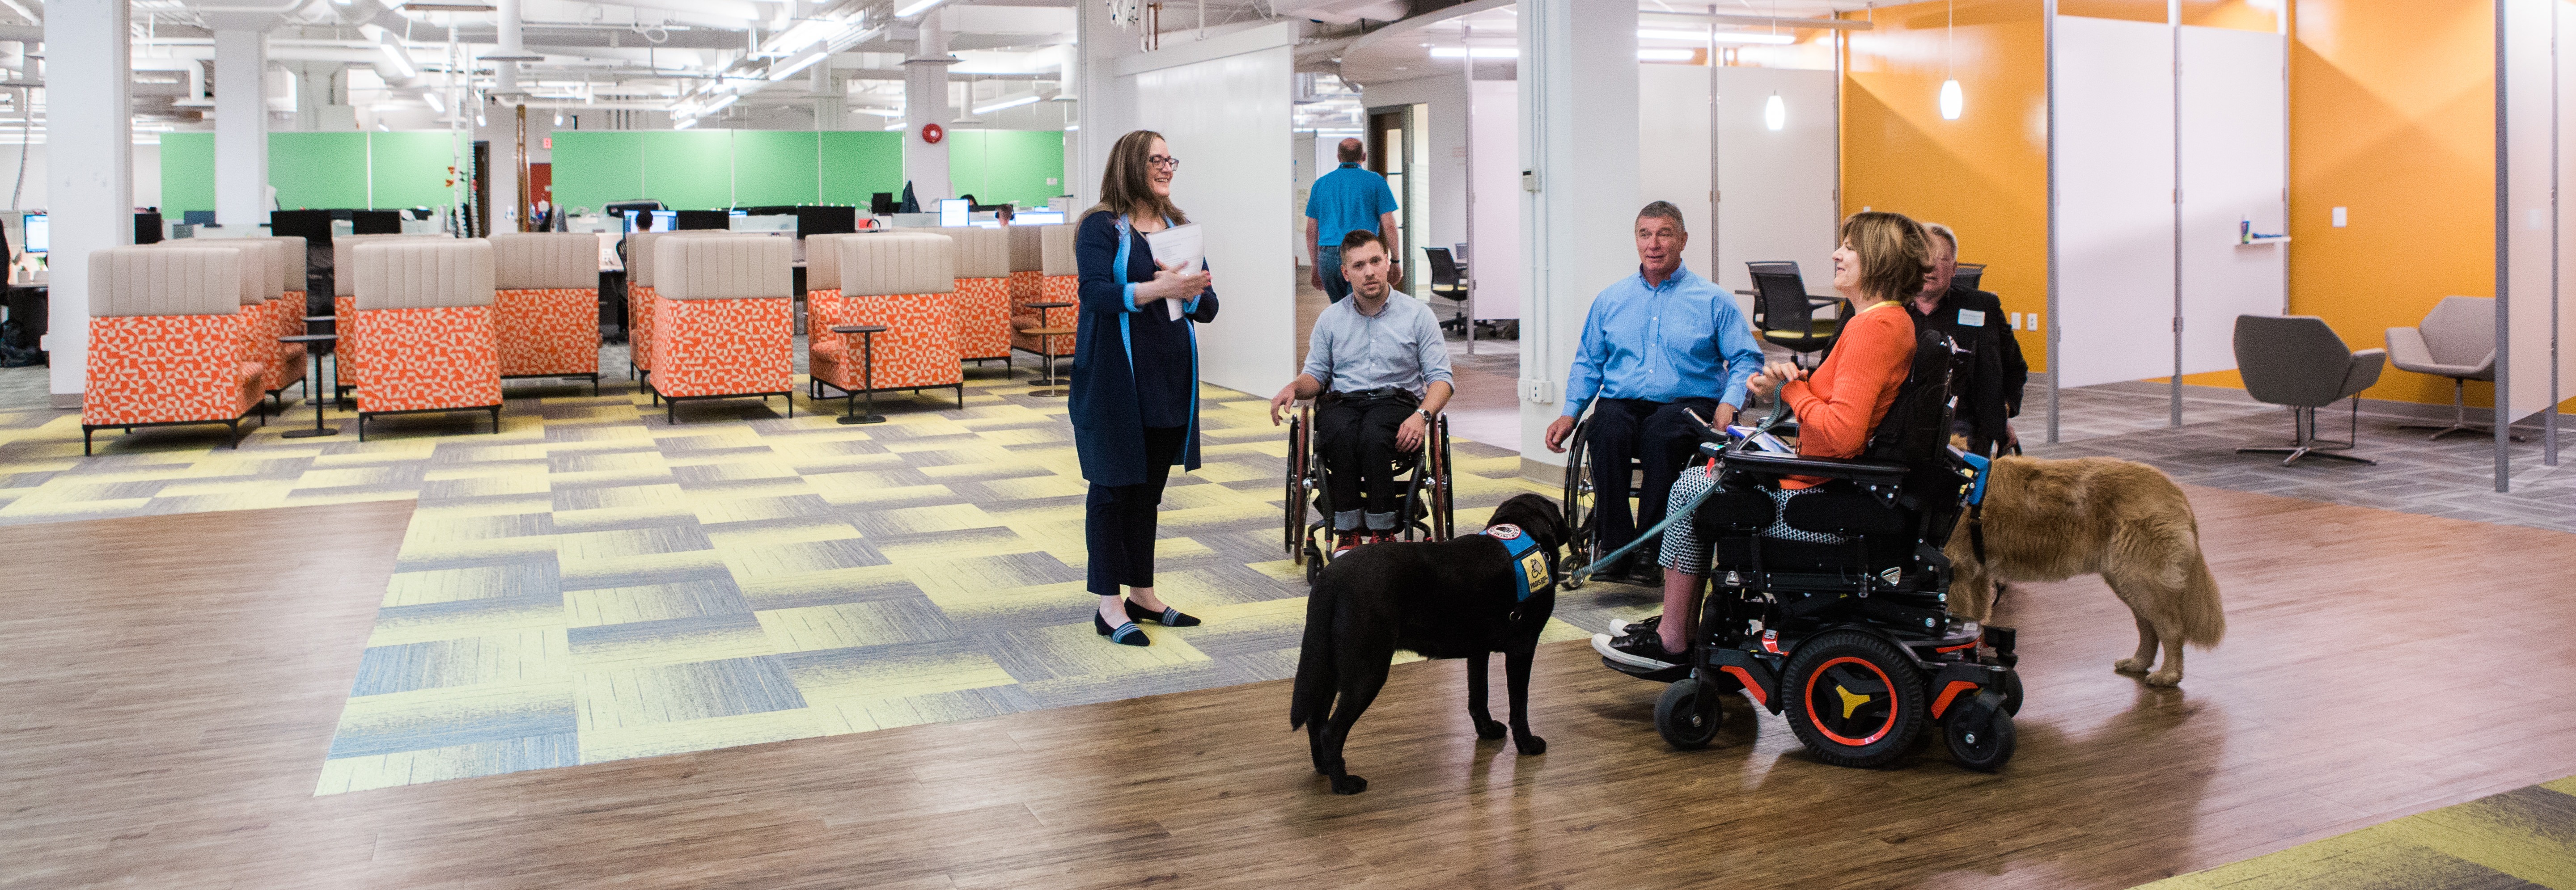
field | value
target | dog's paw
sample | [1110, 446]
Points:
[1530, 744]
[1490, 730]
[2131, 666]
[2165, 679]
[1347, 784]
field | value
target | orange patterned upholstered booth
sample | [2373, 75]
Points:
[425, 313]
[351, 364]
[824, 307]
[722, 325]
[1049, 250]
[545, 304]
[170, 341]
[983, 294]
[901, 280]
[642, 290]
[263, 304]
[286, 265]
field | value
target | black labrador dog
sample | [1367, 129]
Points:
[1458, 598]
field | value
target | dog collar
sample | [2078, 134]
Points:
[1533, 576]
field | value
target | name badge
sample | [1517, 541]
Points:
[1972, 318]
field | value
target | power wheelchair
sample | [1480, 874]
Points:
[1429, 512]
[1853, 641]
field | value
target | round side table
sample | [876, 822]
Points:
[320, 403]
[1046, 347]
[867, 369]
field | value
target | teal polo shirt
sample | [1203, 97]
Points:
[1346, 199]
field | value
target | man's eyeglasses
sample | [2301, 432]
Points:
[1168, 163]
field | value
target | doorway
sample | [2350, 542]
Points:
[1399, 148]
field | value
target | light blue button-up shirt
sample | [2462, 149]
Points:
[1683, 340]
[1400, 346]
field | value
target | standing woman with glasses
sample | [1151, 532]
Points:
[1135, 404]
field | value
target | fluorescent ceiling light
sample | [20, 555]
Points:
[1754, 37]
[895, 126]
[1666, 55]
[1481, 52]
[685, 123]
[436, 104]
[880, 112]
[783, 70]
[917, 7]
[1008, 103]
[719, 105]
[398, 59]
[1660, 34]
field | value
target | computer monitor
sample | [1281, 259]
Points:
[817, 220]
[197, 217]
[881, 204]
[697, 219]
[35, 226]
[1037, 218]
[953, 211]
[370, 222]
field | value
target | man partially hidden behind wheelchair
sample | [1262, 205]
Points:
[1658, 347]
[1881, 262]
[1378, 372]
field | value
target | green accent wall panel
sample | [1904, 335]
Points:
[408, 169]
[689, 169]
[1013, 166]
[860, 163]
[317, 170]
[593, 168]
[187, 173]
[775, 167]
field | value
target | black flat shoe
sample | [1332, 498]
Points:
[1125, 634]
[1169, 617]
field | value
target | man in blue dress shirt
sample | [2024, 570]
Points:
[1663, 351]
[1344, 201]
[1378, 371]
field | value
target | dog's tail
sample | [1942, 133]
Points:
[1316, 677]
[2204, 622]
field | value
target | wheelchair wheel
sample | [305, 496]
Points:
[1578, 505]
[1295, 499]
[1687, 715]
[1314, 563]
[1980, 738]
[2012, 693]
[1854, 699]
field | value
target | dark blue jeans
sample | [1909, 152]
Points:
[1329, 259]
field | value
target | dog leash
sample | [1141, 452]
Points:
[1779, 409]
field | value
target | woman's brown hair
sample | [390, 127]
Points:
[1126, 187]
[1894, 253]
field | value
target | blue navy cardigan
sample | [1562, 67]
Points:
[1133, 366]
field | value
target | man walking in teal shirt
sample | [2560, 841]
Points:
[1344, 200]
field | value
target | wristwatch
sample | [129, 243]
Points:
[1426, 415]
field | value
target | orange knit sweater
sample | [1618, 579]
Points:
[1846, 397]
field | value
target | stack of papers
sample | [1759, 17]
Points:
[1178, 247]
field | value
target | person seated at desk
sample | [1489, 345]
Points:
[1378, 371]
[1665, 350]
[1880, 264]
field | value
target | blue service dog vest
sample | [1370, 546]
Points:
[1533, 576]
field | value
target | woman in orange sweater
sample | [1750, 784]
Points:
[1883, 259]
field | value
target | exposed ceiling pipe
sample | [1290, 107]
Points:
[505, 61]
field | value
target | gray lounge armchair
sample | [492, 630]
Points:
[2455, 340]
[2297, 361]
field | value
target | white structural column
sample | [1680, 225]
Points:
[1578, 85]
[500, 122]
[925, 102]
[830, 104]
[241, 127]
[88, 115]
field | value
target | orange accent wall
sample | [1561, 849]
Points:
[1985, 174]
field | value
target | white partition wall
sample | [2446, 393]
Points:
[2169, 141]
[2233, 146]
[1494, 198]
[1776, 196]
[1227, 118]
[1674, 156]
[2527, 229]
[2112, 103]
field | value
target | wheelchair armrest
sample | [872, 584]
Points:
[1862, 471]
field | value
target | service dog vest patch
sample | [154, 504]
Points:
[1533, 576]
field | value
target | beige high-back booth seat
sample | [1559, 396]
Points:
[546, 304]
[1058, 281]
[643, 287]
[264, 305]
[902, 280]
[170, 341]
[722, 323]
[983, 293]
[425, 312]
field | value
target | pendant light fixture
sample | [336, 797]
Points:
[1775, 113]
[1952, 100]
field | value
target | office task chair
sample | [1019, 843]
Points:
[2297, 361]
[1969, 275]
[1447, 283]
[1784, 313]
[2455, 340]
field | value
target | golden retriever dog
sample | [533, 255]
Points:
[2049, 520]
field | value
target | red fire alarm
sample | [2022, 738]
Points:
[550, 143]
[931, 133]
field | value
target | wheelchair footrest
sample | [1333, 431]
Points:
[1659, 675]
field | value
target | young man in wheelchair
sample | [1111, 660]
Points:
[1664, 357]
[1882, 260]
[1378, 372]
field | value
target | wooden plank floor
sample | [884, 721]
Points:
[168, 687]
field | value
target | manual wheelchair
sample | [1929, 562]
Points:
[1429, 513]
[1852, 641]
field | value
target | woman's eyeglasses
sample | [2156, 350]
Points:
[1168, 163]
